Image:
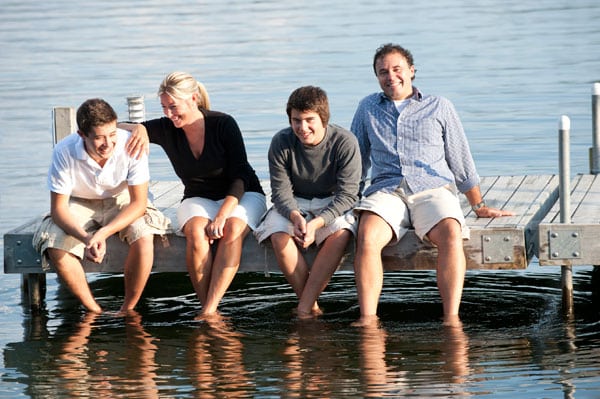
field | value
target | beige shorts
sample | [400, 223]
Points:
[97, 213]
[421, 211]
[274, 222]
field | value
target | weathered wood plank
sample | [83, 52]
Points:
[575, 243]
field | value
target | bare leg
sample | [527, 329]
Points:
[373, 234]
[292, 264]
[323, 267]
[198, 256]
[226, 263]
[70, 270]
[138, 266]
[451, 265]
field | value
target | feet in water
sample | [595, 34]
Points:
[367, 321]
[304, 315]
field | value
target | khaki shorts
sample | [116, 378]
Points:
[97, 213]
[422, 211]
[274, 222]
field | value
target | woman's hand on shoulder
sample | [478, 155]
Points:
[139, 143]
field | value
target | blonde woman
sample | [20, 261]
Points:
[223, 198]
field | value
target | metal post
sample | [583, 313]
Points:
[564, 129]
[595, 150]
[595, 163]
[135, 106]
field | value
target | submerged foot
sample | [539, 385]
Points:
[308, 315]
[367, 321]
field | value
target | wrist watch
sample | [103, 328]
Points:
[478, 206]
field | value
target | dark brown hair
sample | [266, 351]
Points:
[94, 112]
[309, 98]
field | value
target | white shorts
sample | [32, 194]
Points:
[250, 209]
[274, 222]
[422, 211]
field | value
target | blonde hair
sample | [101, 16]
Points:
[182, 85]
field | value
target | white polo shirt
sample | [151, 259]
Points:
[74, 173]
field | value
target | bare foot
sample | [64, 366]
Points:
[367, 321]
[209, 317]
[304, 315]
[452, 321]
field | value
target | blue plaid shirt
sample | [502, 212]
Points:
[424, 144]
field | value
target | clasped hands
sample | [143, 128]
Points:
[95, 248]
[304, 232]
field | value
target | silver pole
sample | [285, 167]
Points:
[595, 150]
[564, 129]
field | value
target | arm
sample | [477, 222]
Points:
[475, 198]
[280, 169]
[138, 195]
[238, 166]
[360, 131]
[346, 167]
[62, 216]
[139, 143]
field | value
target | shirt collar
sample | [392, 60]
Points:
[80, 151]
[417, 95]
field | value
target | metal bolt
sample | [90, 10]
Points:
[574, 234]
[487, 239]
[19, 242]
[506, 239]
[553, 235]
[555, 254]
[488, 258]
[507, 258]
[576, 254]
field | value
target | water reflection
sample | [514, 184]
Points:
[377, 380]
[315, 366]
[81, 360]
[88, 369]
[215, 361]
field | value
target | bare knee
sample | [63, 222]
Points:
[280, 240]
[59, 256]
[373, 233]
[447, 233]
[144, 243]
[195, 232]
[235, 229]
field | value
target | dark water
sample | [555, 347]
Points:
[510, 67]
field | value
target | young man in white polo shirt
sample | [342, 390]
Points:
[97, 190]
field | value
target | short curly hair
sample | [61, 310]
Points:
[309, 98]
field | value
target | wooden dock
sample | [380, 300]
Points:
[501, 244]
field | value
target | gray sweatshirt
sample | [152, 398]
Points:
[332, 168]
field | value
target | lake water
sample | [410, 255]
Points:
[512, 68]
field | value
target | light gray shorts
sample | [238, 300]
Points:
[422, 211]
[274, 222]
[250, 209]
[95, 214]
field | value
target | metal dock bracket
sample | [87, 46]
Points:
[497, 247]
[564, 244]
